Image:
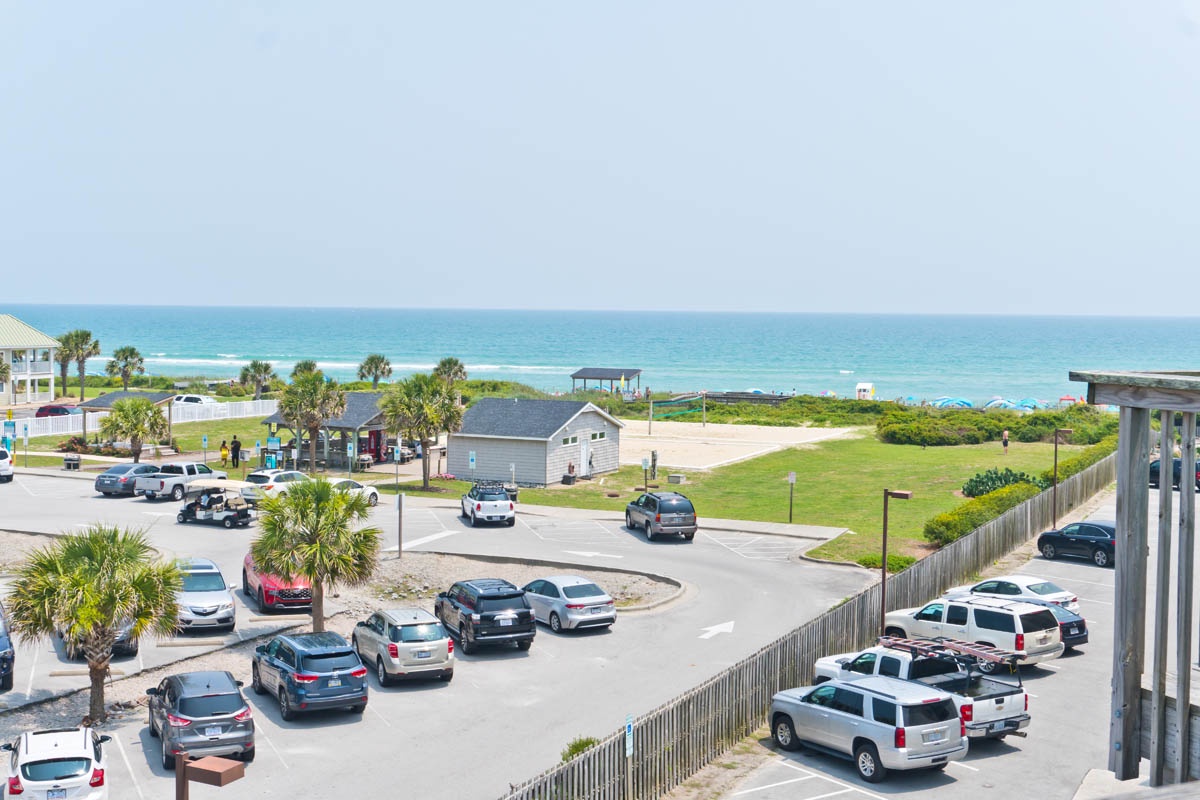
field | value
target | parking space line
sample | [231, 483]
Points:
[1098, 602]
[1048, 666]
[965, 766]
[37, 650]
[371, 706]
[259, 731]
[834, 781]
[128, 765]
[773, 785]
[433, 537]
[831, 794]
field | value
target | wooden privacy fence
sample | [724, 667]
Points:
[677, 739]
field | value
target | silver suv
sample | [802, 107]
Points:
[662, 512]
[879, 723]
[404, 643]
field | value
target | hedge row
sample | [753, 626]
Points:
[938, 427]
[956, 523]
[1078, 463]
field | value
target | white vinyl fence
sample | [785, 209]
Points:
[72, 424]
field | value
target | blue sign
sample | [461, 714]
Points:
[471, 458]
[204, 441]
[274, 443]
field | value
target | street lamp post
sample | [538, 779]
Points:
[1054, 489]
[899, 494]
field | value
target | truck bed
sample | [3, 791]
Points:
[977, 687]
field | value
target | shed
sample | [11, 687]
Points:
[105, 402]
[602, 374]
[362, 416]
[534, 442]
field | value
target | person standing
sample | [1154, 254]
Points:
[1004, 441]
[235, 451]
[224, 453]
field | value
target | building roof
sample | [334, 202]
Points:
[605, 374]
[524, 419]
[14, 333]
[105, 401]
[362, 408]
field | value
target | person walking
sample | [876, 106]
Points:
[1004, 441]
[235, 451]
[224, 453]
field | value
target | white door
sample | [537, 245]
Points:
[585, 456]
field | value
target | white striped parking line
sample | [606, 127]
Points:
[847, 787]
[755, 548]
[129, 766]
[965, 766]
[773, 785]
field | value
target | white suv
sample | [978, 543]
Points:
[274, 482]
[58, 763]
[201, 399]
[6, 465]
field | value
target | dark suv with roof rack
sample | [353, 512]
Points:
[486, 611]
[661, 513]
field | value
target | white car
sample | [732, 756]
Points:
[354, 487]
[488, 501]
[201, 399]
[6, 465]
[60, 763]
[570, 602]
[274, 482]
[1017, 587]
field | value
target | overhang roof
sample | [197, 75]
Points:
[105, 401]
[362, 408]
[524, 419]
[605, 374]
[14, 333]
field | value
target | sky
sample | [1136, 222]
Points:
[938, 157]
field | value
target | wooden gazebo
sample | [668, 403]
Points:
[602, 374]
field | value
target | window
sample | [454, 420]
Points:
[425, 632]
[1004, 587]
[202, 582]
[995, 620]
[210, 705]
[571, 440]
[821, 696]
[1045, 587]
[849, 701]
[1038, 621]
[988, 587]
[510, 603]
[864, 664]
[931, 613]
[891, 667]
[328, 662]
[930, 713]
[883, 711]
[581, 590]
[956, 615]
[55, 769]
[596, 436]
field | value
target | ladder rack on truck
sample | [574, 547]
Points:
[944, 647]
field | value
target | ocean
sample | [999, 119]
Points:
[904, 356]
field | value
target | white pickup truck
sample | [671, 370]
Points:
[172, 480]
[988, 707]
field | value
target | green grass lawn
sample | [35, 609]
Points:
[189, 434]
[51, 461]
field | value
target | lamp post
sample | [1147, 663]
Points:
[1054, 489]
[899, 494]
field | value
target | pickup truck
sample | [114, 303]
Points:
[988, 707]
[173, 479]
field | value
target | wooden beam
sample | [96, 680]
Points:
[1133, 497]
[1183, 610]
[1162, 610]
[1144, 397]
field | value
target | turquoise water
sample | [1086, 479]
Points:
[976, 357]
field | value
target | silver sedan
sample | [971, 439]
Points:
[570, 602]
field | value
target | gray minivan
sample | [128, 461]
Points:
[662, 513]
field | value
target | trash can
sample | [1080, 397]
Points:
[71, 461]
[512, 493]
[568, 479]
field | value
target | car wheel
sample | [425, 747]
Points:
[1048, 552]
[866, 761]
[525, 644]
[897, 632]
[628, 521]
[262, 601]
[784, 733]
[372, 500]
[689, 536]
[381, 673]
[449, 676]
[168, 758]
[228, 522]
[462, 511]
[150, 724]
[464, 643]
[285, 706]
[1101, 558]
[177, 493]
[986, 667]
[180, 517]
[939, 767]
[256, 680]
[555, 622]
[474, 520]
[150, 495]
[245, 585]
[649, 531]
[248, 755]
[512, 521]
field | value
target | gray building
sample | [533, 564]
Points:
[534, 442]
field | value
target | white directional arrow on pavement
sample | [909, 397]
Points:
[590, 554]
[713, 630]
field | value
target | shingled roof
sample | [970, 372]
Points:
[105, 401]
[361, 410]
[606, 374]
[524, 419]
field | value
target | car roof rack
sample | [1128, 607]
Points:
[489, 484]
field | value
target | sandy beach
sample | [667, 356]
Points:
[688, 445]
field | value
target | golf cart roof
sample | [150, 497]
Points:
[217, 483]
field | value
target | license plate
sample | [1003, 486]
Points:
[334, 682]
[212, 730]
[1073, 630]
[929, 737]
[56, 794]
[504, 622]
[596, 609]
[423, 654]
[999, 726]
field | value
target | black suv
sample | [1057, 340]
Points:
[486, 610]
[662, 512]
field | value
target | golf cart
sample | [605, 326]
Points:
[220, 502]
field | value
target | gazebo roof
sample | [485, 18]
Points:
[605, 374]
[362, 409]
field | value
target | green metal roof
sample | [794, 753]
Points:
[14, 333]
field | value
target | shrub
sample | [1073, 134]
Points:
[956, 523]
[984, 482]
[937, 427]
[1078, 463]
[577, 746]
[224, 390]
[896, 563]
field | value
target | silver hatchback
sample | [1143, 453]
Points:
[404, 643]
[879, 723]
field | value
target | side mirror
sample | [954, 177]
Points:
[441, 595]
[153, 692]
[360, 624]
[240, 684]
[262, 648]
[105, 739]
[232, 588]
[845, 665]
[6, 746]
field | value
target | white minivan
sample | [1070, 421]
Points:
[1029, 629]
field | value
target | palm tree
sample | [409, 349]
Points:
[259, 373]
[374, 366]
[68, 345]
[312, 532]
[307, 402]
[136, 419]
[86, 347]
[450, 370]
[304, 367]
[125, 362]
[85, 585]
[420, 406]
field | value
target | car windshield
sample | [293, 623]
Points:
[417, 633]
[328, 662]
[1046, 587]
[1038, 621]
[493, 495]
[259, 479]
[210, 705]
[583, 590]
[509, 603]
[930, 713]
[119, 469]
[676, 505]
[203, 582]
[55, 769]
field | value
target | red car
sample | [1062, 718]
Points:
[56, 411]
[273, 593]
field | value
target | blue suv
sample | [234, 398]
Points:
[310, 672]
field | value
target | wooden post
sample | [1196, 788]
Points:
[1158, 702]
[1133, 497]
[1183, 610]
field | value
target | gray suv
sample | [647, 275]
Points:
[879, 723]
[662, 512]
[203, 713]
